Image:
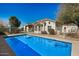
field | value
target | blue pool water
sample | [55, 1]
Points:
[35, 46]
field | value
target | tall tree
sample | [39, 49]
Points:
[14, 23]
[69, 13]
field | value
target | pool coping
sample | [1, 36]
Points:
[38, 36]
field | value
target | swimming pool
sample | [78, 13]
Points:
[25, 45]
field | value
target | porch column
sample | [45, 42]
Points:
[24, 29]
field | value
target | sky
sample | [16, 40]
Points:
[28, 13]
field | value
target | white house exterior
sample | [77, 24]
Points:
[26, 29]
[69, 28]
[46, 24]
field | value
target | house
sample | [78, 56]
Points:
[29, 28]
[69, 28]
[44, 25]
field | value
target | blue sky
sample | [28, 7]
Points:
[28, 13]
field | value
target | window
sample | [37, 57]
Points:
[44, 23]
[35, 28]
[49, 27]
[64, 28]
[49, 22]
[73, 29]
[39, 28]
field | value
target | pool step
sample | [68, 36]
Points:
[61, 44]
[28, 36]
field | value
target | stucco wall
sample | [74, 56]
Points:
[52, 24]
[69, 29]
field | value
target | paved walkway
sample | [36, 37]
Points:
[5, 50]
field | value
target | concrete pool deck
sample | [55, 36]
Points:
[5, 50]
[75, 43]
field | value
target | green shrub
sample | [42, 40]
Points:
[43, 32]
[52, 31]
